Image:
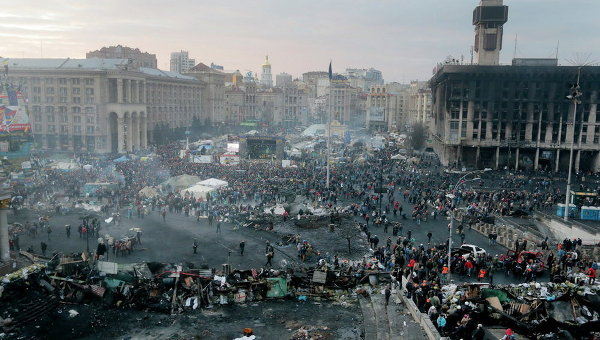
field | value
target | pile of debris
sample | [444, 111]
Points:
[35, 291]
[538, 310]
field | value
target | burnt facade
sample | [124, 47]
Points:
[516, 117]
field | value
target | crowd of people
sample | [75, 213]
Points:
[416, 194]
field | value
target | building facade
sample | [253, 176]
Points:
[180, 62]
[516, 117]
[213, 94]
[137, 57]
[283, 80]
[419, 104]
[100, 105]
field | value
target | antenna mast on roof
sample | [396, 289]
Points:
[515, 52]
[557, 45]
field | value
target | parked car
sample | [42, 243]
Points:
[469, 250]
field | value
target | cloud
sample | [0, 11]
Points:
[404, 39]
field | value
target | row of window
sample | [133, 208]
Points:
[63, 109]
[63, 90]
[63, 118]
[62, 100]
[51, 81]
[38, 128]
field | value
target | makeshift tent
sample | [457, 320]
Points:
[314, 130]
[149, 192]
[65, 166]
[199, 190]
[181, 182]
[213, 183]
[121, 159]
[399, 157]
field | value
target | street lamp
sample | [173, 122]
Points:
[574, 98]
[451, 197]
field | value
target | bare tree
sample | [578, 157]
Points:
[418, 137]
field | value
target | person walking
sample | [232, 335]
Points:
[68, 230]
[218, 227]
[164, 215]
[49, 231]
[195, 246]
[429, 235]
[269, 252]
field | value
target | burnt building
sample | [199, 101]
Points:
[516, 116]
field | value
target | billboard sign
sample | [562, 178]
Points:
[230, 159]
[204, 159]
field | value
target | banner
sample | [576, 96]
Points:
[14, 118]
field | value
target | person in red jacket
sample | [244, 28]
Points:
[469, 266]
[591, 273]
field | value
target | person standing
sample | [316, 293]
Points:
[49, 231]
[44, 246]
[218, 227]
[68, 229]
[195, 246]
[242, 246]
[100, 251]
[388, 294]
[429, 235]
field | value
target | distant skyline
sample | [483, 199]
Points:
[404, 39]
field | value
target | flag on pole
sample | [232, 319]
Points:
[330, 71]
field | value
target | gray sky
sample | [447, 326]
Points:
[402, 38]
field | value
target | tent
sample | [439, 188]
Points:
[198, 190]
[214, 183]
[149, 192]
[121, 159]
[181, 181]
[399, 157]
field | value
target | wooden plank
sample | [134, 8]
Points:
[368, 318]
[381, 319]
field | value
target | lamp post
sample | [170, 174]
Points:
[574, 98]
[452, 196]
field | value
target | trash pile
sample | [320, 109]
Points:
[535, 310]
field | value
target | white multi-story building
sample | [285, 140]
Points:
[419, 103]
[102, 105]
[181, 62]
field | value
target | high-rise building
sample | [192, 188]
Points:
[181, 62]
[266, 79]
[137, 58]
[489, 18]
[363, 78]
[283, 80]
